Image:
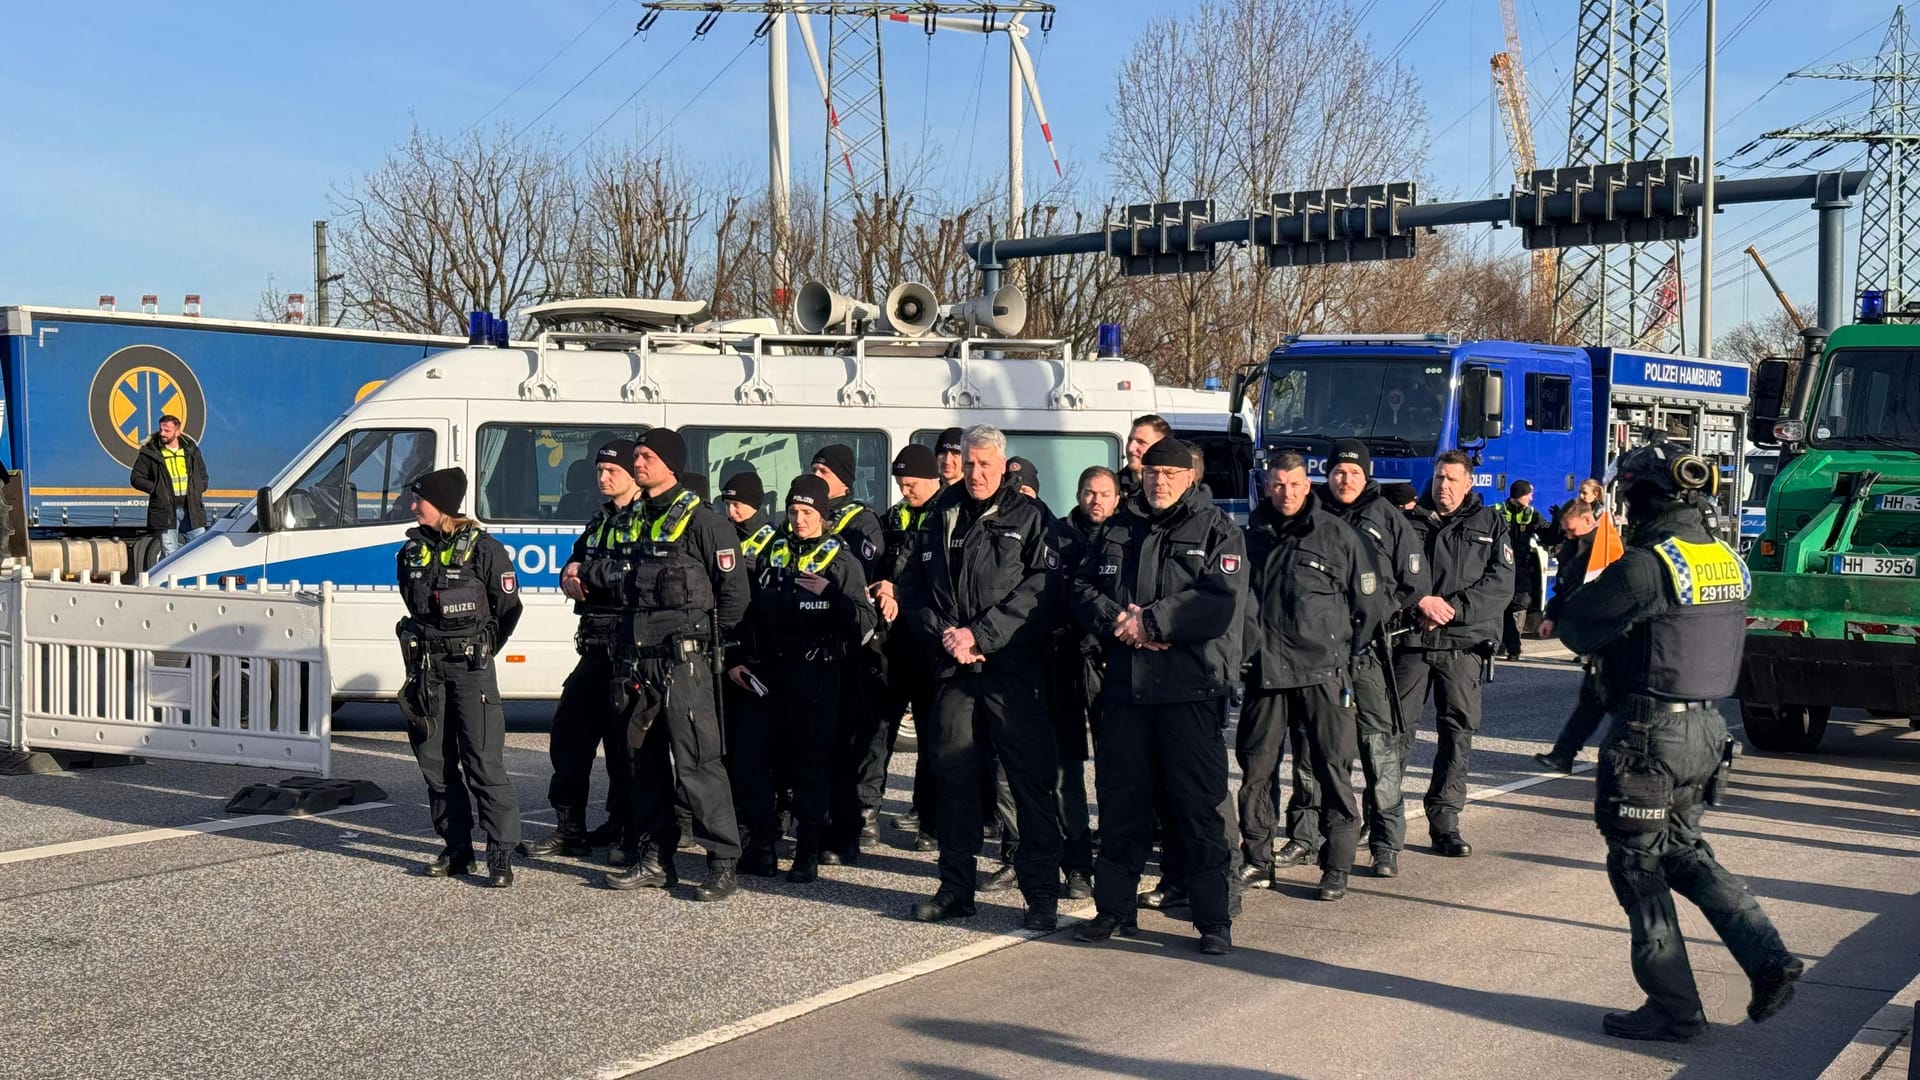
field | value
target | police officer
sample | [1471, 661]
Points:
[948, 454]
[1525, 526]
[748, 728]
[975, 594]
[1146, 431]
[1354, 497]
[909, 683]
[1316, 602]
[1164, 584]
[1025, 475]
[586, 717]
[1455, 628]
[1580, 525]
[860, 760]
[810, 612]
[1073, 677]
[462, 605]
[1667, 621]
[686, 594]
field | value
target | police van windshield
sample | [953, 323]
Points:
[1871, 398]
[1757, 479]
[1394, 404]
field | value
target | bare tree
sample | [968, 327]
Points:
[442, 228]
[1773, 335]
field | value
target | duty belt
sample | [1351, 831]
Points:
[1661, 705]
[672, 650]
[448, 647]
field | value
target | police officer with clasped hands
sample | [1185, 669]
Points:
[462, 602]
[1666, 622]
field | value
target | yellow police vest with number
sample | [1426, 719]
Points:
[813, 562]
[1704, 573]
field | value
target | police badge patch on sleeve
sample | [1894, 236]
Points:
[724, 559]
[1229, 564]
[1413, 562]
[1053, 559]
[1369, 584]
[508, 582]
[1506, 553]
[866, 550]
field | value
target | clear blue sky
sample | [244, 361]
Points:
[189, 147]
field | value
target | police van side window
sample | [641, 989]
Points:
[539, 473]
[1549, 402]
[361, 480]
[779, 456]
[1060, 459]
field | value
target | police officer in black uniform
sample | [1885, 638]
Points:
[686, 593]
[1146, 431]
[976, 595]
[1164, 585]
[1316, 602]
[1454, 629]
[748, 730]
[948, 454]
[463, 602]
[1354, 497]
[810, 614]
[1667, 621]
[860, 760]
[1073, 676]
[909, 682]
[587, 716]
[1526, 527]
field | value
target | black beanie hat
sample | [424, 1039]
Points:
[668, 446]
[1520, 488]
[1023, 472]
[838, 458]
[696, 483]
[808, 490]
[952, 441]
[743, 487]
[916, 462]
[1400, 494]
[446, 489]
[1168, 451]
[1351, 452]
[618, 452]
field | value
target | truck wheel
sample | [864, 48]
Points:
[1784, 729]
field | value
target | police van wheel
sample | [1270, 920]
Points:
[1784, 729]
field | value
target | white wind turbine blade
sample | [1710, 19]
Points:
[1025, 63]
[826, 95]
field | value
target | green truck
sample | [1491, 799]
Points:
[1834, 620]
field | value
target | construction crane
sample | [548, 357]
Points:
[1799, 322]
[1510, 85]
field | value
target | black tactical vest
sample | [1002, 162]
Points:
[800, 620]
[1692, 651]
[442, 591]
[665, 587]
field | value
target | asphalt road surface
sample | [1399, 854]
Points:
[310, 948]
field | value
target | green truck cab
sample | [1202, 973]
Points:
[1834, 620]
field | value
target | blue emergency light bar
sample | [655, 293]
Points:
[1873, 306]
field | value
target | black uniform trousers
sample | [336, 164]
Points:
[1647, 865]
[1589, 710]
[1526, 586]
[1453, 677]
[1069, 705]
[583, 722]
[750, 770]
[462, 757]
[859, 765]
[976, 714]
[1325, 744]
[1383, 756]
[807, 707]
[680, 760]
[910, 688]
[1180, 749]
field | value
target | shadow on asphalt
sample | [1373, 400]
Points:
[1051, 1047]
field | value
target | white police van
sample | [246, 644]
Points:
[523, 422]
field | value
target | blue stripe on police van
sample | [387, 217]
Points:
[538, 558]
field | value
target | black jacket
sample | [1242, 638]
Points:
[1397, 551]
[1317, 597]
[983, 568]
[150, 475]
[1186, 568]
[900, 525]
[1470, 558]
[862, 534]
[745, 531]
[427, 584]
[1570, 574]
[786, 621]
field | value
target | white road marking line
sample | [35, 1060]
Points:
[148, 836]
[727, 1033]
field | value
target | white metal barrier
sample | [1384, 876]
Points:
[214, 675]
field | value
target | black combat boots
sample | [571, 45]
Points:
[452, 861]
[649, 871]
[723, 880]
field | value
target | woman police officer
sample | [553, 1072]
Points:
[810, 611]
[462, 604]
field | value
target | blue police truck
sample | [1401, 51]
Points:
[84, 389]
[1553, 415]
